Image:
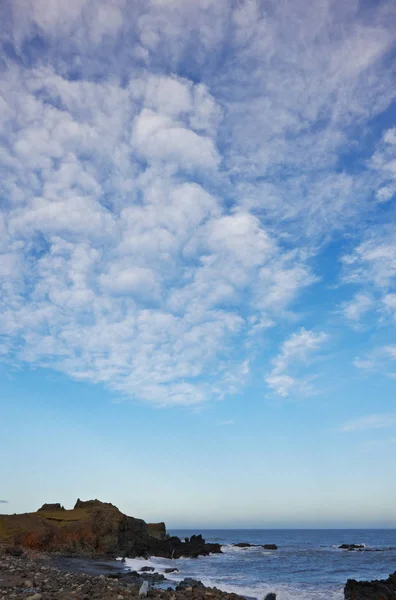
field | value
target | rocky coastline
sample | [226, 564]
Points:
[95, 528]
[44, 577]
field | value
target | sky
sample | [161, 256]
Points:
[198, 259]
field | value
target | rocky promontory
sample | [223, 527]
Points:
[95, 528]
[384, 589]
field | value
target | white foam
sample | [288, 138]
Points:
[136, 564]
[282, 591]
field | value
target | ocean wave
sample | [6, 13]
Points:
[283, 591]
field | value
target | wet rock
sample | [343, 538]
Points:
[146, 569]
[189, 582]
[270, 596]
[171, 570]
[270, 547]
[14, 551]
[371, 590]
[351, 546]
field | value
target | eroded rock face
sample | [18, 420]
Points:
[96, 528]
[371, 590]
[157, 530]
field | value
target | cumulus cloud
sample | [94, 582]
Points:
[170, 171]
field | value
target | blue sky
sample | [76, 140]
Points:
[198, 259]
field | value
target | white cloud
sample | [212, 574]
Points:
[168, 177]
[375, 421]
[372, 267]
[294, 351]
[358, 307]
[159, 138]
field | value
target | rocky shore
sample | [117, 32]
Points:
[36, 577]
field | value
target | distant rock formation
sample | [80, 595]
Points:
[95, 528]
[247, 545]
[51, 507]
[371, 590]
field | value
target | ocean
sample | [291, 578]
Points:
[308, 564]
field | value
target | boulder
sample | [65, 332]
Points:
[171, 570]
[371, 590]
[189, 582]
[270, 596]
[146, 569]
[144, 588]
[351, 546]
[16, 551]
[270, 547]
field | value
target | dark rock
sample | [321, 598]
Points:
[146, 569]
[351, 546]
[244, 545]
[189, 582]
[270, 596]
[371, 590]
[16, 551]
[270, 547]
[171, 570]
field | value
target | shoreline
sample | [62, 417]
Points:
[37, 576]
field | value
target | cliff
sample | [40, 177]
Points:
[95, 528]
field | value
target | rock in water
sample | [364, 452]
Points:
[270, 547]
[270, 596]
[144, 588]
[351, 546]
[189, 582]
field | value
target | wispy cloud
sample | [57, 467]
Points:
[294, 351]
[375, 421]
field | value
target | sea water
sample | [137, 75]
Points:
[308, 564]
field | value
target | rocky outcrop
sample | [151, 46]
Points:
[270, 547]
[157, 530]
[351, 546]
[371, 590]
[95, 528]
[51, 507]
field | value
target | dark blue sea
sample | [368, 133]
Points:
[307, 565]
